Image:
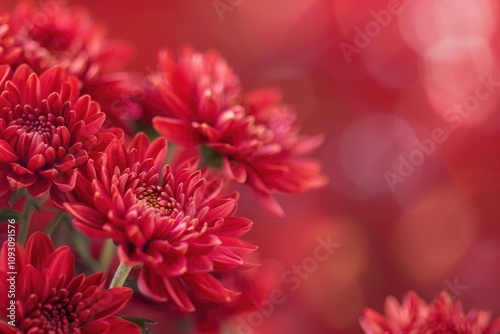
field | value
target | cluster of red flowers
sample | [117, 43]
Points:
[67, 117]
[64, 142]
[253, 137]
[415, 316]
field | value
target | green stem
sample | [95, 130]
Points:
[29, 207]
[107, 254]
[55, 221]
[50, 208]
[120, 275]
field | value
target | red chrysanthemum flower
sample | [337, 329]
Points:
[414, 316]
[47, 131]
[47, 34]
[49, 299]
[271, 151]
[172, 221]
[255, 136]
[196, 88]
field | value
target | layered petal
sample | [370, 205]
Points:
[49, 299]
[50, 131]
[172, 220]
[68, 36]
[252, 137]
[413, 315]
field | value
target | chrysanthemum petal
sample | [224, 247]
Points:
[7, 154]
[110, 302]
[112, 325]
[152, 286]
[178, 294]
[44, 281]
[270, 203]
[235, 170]
[175, 130]
[7, 329]
[39, 247]
[40, 188]
[17, 181]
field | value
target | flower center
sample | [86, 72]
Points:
[56, 315]
[32, 120]
[150, 196]
[51, 38]
[154, 199]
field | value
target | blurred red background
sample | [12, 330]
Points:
[378, 78]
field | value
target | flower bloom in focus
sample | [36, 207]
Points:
[47, 131]
[254, 135]
[444, 315]
[46, 34]
[172, 221]
[49, 299]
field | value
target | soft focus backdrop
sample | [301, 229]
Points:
[408, 96]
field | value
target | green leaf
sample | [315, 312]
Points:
[16, 195]
[8, 213]
[211, 157]
[141, 322]
[37, 205]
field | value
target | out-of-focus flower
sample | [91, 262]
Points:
[47, 131]
[414, 316]
[274, 154]
[174, 222]
[254, 138]
[49, 299]
[10, 53]
[256, 287]
[198, 88]
[46, 34]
